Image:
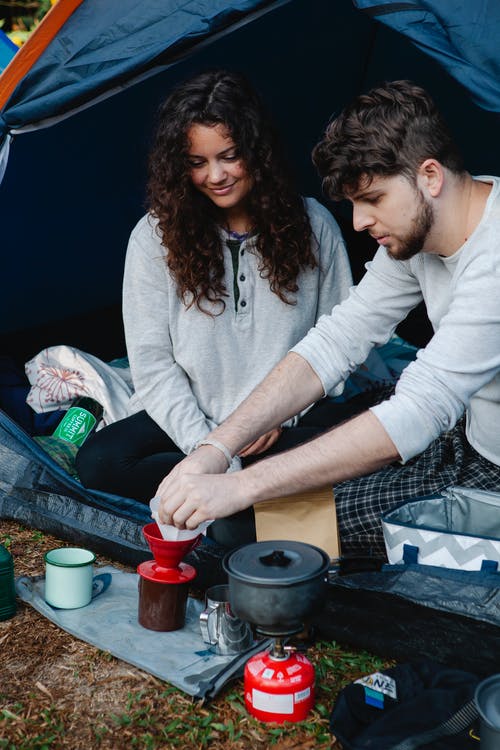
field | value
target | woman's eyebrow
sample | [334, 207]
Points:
[219, 153]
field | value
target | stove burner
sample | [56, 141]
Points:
[280, 632]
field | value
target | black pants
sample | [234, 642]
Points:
[132, 456]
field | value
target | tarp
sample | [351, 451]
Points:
[35, 491]
[110, 623]
[407, 612]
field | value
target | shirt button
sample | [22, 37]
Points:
[242, 252]
[242, 277]
[243, 303]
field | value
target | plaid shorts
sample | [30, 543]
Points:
[449, 460]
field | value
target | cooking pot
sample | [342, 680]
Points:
[487, 699]
[276, 585]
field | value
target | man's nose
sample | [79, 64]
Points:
[361, 218]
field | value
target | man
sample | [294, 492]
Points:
[390, 154]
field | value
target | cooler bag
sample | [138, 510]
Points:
[458, 528]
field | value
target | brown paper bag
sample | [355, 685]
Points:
[306, 517]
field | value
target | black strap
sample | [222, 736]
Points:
[462, 719]
[385, 8]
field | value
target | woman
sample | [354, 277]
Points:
[229, 268]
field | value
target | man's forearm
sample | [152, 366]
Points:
[359, 446]
[349, 450]
[290, 387]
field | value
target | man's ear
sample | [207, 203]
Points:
[430, 177]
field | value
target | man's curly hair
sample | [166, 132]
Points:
[391, 130]
[188, 221]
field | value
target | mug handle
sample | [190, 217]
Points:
[205, 625]
[100, 583]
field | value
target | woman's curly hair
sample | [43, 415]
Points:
[188, 221]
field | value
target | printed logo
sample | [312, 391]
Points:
[75, 426]
[380, 683]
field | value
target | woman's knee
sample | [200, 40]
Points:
[97, 459]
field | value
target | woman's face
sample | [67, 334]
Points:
[216, 168]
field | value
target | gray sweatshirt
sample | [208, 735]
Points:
[191, 370]
[459, 368]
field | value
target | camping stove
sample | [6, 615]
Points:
[279, 682]
[276, 586]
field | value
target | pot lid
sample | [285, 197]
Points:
[150, 570]
[276, 562]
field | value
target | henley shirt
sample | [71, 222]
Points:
[191, 370]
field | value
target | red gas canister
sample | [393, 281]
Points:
[279, 689]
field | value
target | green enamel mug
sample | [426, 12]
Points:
[69, 575]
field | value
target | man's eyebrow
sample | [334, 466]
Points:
[363, 194]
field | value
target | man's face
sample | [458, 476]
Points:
[395, 213]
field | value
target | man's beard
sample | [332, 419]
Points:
[414, 241]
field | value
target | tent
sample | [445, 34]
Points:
[7, 50]
[77, 105]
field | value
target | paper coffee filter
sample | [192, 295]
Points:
[172, 533]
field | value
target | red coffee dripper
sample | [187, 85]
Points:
[164, 581]
[167, 554]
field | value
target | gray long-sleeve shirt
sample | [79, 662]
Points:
[458, 370]
[191, 370]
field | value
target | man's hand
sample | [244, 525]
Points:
[191, 499]
[204, 460]
[263, 443]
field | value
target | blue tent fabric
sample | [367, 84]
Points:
[462, 35]
[105, 45]
[7, 50]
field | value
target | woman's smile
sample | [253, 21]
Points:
[223, 189]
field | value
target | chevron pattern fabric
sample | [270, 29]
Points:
[446, 549]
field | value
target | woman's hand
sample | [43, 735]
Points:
[263, 443]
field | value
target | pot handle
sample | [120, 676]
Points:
[277, 558]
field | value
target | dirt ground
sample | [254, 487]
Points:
[44, 667]
[59, 692]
